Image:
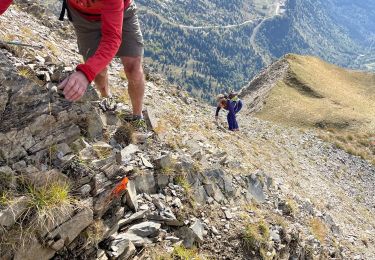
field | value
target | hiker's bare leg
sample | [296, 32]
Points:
[101, 83]
[136, 87]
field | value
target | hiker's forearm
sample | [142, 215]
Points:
[217, 111]
[4, 4]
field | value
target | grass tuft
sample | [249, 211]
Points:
[103, 152]
[256, 237]
[5, 198]
[25, 72]
[122, 75]
[124, 134]
[179, 253]
[167, 170]
[49, 197]
[94, 233]
[318, 229]
[357, 144]
[175, 120]
[279, 220]
[184, 183]
[52, 47]
[182, 253]
[173, 141]
[290, 207]
[26, 31]
[47, 200]
[161, 127]
[122, 95]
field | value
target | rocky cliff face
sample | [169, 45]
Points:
[194, 189]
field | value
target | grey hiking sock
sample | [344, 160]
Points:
[137, 117]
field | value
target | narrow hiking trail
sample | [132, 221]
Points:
[190, 27]
[257, 49]
[279, 10]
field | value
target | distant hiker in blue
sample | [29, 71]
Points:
[231, 103]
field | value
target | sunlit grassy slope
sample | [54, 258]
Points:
[317, 94]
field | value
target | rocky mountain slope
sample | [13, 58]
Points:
[194, 191]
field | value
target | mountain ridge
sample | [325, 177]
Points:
[314, 79]
[307, 92]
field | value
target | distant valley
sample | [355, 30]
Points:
[214, 58]
[212, 46]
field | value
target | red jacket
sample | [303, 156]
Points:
[111, 14]
[4, 4]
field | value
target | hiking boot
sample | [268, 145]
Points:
[139, 124]
[127, 116]
[108, 104]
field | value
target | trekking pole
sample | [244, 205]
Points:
[22, 45]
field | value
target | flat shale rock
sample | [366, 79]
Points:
[33, 118]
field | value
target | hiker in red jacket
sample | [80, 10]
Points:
[105, 29]
[4, 4]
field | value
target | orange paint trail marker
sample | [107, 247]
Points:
[122, 186]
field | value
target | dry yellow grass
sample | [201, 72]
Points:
[161, 128]
[26, 31]
[318, 229]
[179, 252]
[102, 152]
[25, 72]
[316, 93]
[122, 95]
[255, 238]
[122, 75]
[95, 232]
[9, 37]
[358, 144]
[52, 47]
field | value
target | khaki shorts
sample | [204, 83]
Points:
[89, 34]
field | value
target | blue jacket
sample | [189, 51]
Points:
[233, 106]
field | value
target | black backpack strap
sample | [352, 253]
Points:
[63, 9]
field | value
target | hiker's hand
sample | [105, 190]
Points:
[74, 86]
[216, 119]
